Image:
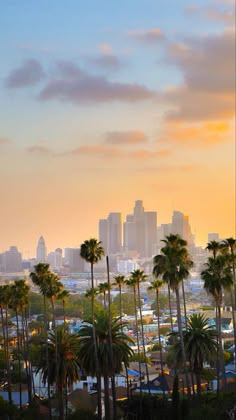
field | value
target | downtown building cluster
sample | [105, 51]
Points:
[139, 235]
[138, 238]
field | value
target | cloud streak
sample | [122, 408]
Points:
[147, 36]
[77, 86]
[28, 74]
[126, 137]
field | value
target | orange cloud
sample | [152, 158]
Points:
[126, 137]
[197, 134]
[103, 151]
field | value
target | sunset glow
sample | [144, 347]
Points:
[104, 103]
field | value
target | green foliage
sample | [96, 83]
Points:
[139, 358]
[127, 303]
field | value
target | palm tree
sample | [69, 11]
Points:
[214, 247]
[230, 245]
[120, 282]
[217, 276]
[158, 269]
[138, 276]
[156, 285]
[121, 350]
[174, 268]
[102, 289]
[40, 277]
[92, 252]
[63, 349]
[63, 295]
[19, 302]
[200, 342]
[5, 299]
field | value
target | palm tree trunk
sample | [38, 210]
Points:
[26, 355]
[96, 351]
[106, 399]
[198, 378]
[8, 359]
[221, 353]
[4, 343]
[110, 340]
[47, 355]
[137, 333]
[170, 308]
[159, 336]
[19, 360]
[181, 338]
[142, 332]
[184, 302]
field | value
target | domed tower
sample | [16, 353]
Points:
[41, 252]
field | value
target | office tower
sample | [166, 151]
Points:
[103, 234]
[110, 233]
[140, 232]
[150, 231]
[140, 227]
[178, 223]
[74, 260]
[114, 233]
[12, 260]
[55, 259]
[41, 252]
[129, 235]
[213, 237]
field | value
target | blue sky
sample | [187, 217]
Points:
[137, 98]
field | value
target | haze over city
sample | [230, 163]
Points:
[104, 103]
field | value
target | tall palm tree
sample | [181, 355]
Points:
[138, 276]
[158, 270]
[230, 245]
[92, 252]
[5, 299]
[157, 285]
[64, 368]
[217, 276]
[103, 289]
[200, 342]
[19, 302]
[40, 277]
[120, 282]
[63, 296]
[214, 247]
[121, 350]
[174, 268]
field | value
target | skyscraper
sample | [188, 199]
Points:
[114, 233]
[12, 260]
[103, 233]
[41, 252]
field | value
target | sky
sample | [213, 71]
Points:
[104, 103]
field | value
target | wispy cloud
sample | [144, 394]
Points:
[39, 150]
[214, 13]
[147, 36]
[4, 140]
[108, 151]
[28, 74]
[126, 137]
[71, 84]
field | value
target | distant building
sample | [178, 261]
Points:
[55, 259]
[12, 261]
[213, 237]
[74, 260]
[41, 251]
[110, 233]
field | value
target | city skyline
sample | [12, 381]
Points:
[41, 250]
[107, 103]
